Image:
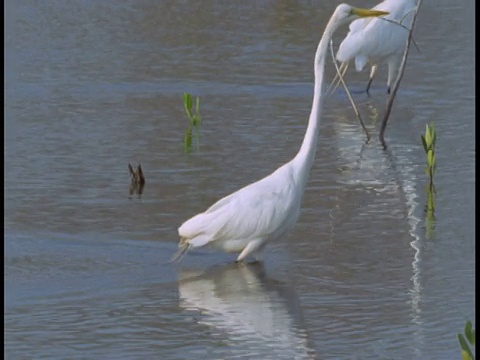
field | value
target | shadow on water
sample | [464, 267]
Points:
[255, 313]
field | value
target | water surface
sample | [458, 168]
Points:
[90, 87]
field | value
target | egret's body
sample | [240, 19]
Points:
[377, 41]
[264, 210]
[245, 220]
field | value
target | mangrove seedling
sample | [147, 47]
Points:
[469, 336]
[429, 143]
[194, 124]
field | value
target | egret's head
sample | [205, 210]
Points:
[345, 13]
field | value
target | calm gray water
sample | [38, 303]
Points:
[91, 86]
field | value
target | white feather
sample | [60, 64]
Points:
[378, 41]
[261, 210]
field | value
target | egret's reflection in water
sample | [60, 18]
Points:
[259, 316]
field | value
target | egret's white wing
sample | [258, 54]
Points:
[375, 38]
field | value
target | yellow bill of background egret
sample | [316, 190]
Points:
[377, 41]
[263, 211]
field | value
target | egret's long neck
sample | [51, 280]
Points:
[304, 159]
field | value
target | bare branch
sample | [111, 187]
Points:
[340, 76]
[401, 70]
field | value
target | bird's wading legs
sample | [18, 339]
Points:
[252, 247]
[373, 70]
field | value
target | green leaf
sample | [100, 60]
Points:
[424, 143]
[187, 140]
[187, 103]
[468, 328]
[428, 136]
[430, 158]
[468, 332]
[464, 345]
[434, 134]
[196, 121]
[427, 170]
[197, 107]
[187, 100]
[465, 356]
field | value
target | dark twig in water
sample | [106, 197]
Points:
[401, 70]
[137, 180]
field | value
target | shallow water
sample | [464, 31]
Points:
[90, 87]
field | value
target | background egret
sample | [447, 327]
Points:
[378, 41]
[264, 210]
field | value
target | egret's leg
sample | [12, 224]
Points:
[252, 247]
[373, 70]
[392, 70]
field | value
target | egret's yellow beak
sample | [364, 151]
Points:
[367, 12]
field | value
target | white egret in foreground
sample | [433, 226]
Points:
[264, 210]
[378, 41]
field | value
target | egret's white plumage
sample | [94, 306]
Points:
[264, 210]
[378, 41]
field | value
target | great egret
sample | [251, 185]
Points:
[264, 210]
[378, 41]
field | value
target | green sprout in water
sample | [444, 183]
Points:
[195, 121]
[467, 353]
[429, 143]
